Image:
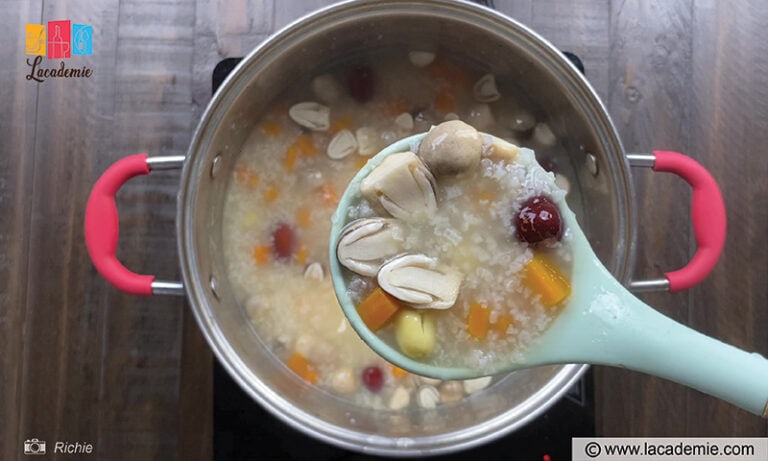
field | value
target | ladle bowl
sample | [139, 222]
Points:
[601, 321]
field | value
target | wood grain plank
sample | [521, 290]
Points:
[141, 380]
[196, 394]
[101, 366]
[730, 109]
[650, 58]
[285, 12]
[17, 132]
[519, 10]
[581, 27]
[61, 366]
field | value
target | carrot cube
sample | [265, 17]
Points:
[502, 324]
[478, 321]
[289, 161]
[398, 372]
[377, 308]
[301, 366]
[261, 254]
[543, 278]
[304, 218]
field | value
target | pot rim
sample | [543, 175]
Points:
[198, 285]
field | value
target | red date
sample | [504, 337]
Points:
[360, 83]
[373, 378]
[283, 241]
[538, 220]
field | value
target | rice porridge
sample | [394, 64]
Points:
[286, 184]
[455, 249]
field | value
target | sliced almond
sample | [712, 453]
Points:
[404, 121]
[428, 397]
[485, 89]
[312, 115]
[400, 399]
[543, 135]
[367, 141]
[421, 58]
[365, 244]
[403, 186]
[474, 385]
[342, 145]
[314, 271]
[326, 88]
[420, 281]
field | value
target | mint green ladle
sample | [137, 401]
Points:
[602, 323]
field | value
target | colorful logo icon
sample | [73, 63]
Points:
[59, 39]
[36, 39]
[82, 39]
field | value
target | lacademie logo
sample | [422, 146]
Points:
[58, 40]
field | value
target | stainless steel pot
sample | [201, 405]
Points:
[467, 32]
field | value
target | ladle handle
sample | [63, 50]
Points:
[656, 344]
[606, 325]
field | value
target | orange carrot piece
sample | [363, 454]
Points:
[502, 323]
[262, 254]
[291, 154]
[543, 278]
[449, 74]
[342, 123]
[302, 254]
[398, 372]
[271, 128]
[377, 308]
[306, 145]
[304, 218]
[301, 366]
[271, 194]
[245, 176]
[478, 321]
[360, 162]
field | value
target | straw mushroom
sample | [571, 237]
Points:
[403, 186]
[451, 147]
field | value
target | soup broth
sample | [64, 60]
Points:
[286, 184]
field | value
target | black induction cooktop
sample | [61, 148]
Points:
[243, 430]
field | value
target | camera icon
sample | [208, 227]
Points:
[34, 447]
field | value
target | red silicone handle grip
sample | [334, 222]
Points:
[707, 214]
[102, 226]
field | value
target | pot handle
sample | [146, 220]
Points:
[102, 225]
[707, 214]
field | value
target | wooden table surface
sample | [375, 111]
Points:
[82, 362]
